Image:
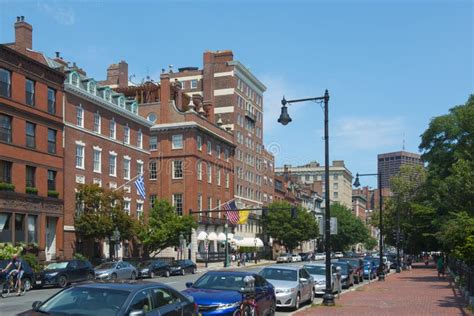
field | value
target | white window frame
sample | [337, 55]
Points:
[199, 170]
[113, 129]
[227, 180]
[82, 146]
[140, 139]
[155, 173]
[155, 143]
[209, 148]
[114, 155]
[80, 116]
[126, 134]
[139, 210]
[218, 151]
[177, 138]
[97, 122]
[127, 205]
[194, 84]
[126, 171]
[97, 163]
[173, 198]
[209, 172]
[218, 176]
[140, 169]
[174, 170]
[199, 142]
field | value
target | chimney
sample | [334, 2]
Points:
[23, 34]
[118, 74]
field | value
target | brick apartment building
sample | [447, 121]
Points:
[106, 143]
[191, 158]
[31, 153]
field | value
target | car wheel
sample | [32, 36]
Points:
[133, 276]
[152, 275]
[90, 277]
[297, 301]
[311, 297]
[26, 283]
[114, 276]
[272, 310]
[167, 273]
[62, 281]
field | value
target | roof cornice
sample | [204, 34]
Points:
[244, 71]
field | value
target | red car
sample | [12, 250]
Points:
[357, 268]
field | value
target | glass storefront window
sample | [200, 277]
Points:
[5, 227]
[32, 233]
[19, 228]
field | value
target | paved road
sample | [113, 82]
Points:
[13, 305]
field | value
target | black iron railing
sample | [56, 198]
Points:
[464, 272]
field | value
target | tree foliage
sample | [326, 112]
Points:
[289, 231]
[101, 211]
[163, 228]
[350, 229]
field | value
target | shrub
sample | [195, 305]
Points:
[32, 260]
[31, 190]
[8, 250]
[7, 186]
[53, 194]
[79, 256]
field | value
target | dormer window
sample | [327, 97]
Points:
[107, 94]
[121, 102]
[74, 79]
[92, 87]
[135, 107]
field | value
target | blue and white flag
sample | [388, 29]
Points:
[140, 184]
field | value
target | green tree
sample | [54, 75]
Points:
[289, 231]
[350, 228]
[163, 228]
[99, 212]
[370, 243]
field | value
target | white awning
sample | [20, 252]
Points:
[248, 241]
[221, 237]
[212, 236]
[202, 236]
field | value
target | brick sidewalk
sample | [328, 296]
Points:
[415, 292]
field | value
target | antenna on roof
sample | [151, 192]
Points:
[403, 147]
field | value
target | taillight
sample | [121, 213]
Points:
[196, 308]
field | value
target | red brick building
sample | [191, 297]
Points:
[31, 153]
[191, 157]
[106, 143]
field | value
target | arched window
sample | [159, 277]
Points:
[107, 94]
[92, 87]
[74, 79]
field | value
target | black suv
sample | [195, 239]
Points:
[64, 272]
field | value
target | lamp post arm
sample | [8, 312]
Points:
[302, 100]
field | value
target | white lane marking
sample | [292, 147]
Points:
[171, 282]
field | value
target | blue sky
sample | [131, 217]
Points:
[390, 66]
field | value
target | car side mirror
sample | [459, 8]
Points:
[36, 305]
[303, 280]
[137, 313]
[189, 284]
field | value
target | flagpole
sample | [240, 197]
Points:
[138, 175]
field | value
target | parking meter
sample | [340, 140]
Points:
[338, 280]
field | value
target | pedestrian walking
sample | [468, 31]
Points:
[409, 262]
[440, 266]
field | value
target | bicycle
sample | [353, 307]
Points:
[11, 286]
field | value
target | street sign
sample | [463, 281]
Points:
[333, 226]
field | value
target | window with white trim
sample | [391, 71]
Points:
[112, 165]
[97, 160]
[178, 203]
[209, 173]
[126, 134]
[80, 116]
[139, 210]
[199, 142]
[139, 167]
[226, 154]
[126, 207]
[199, 202]
[126, 168]
[153, 142]
[140, 139]
[218, 205]
[112, 129]
[80, 156]
[199, 170]
[152, 168]
[194, 84]
[97, 122]
[227, 180]
[209, 147]
[75, 79]
[218, 176]
[177, 169]
[177, 141]
[218, 151]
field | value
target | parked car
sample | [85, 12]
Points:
[284, 258]
[183, 266]
[293, 285]
[118, 299]
[319, 256]
[347, 274]
[370, 269]
[306, 256]
[295, 258]
[28, 274]
[218, 293]
[338, 254]
[152, 268]
[63, 273]
[115, 270]
[357, 268]
[318, 272]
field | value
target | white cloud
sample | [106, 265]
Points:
[368, 133]
[62, 15]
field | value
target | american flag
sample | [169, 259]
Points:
[140, 185]
[232, 212]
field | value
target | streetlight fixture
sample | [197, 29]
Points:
[357, 184]
[328, 297]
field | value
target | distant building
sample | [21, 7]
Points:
[389, 164]
[340, 179]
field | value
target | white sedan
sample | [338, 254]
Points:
[295, 258]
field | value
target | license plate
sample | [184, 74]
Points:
[38, 282]
[199, 314]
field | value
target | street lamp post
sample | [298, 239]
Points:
[357, 184]
[206, 244]
[255, 258]
[328, 297]
[226, 245]
[181, 248]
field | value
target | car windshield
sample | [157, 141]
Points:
[220, 281]
[279, 274]
[56, 265]
[320, 270]
[178, 263]
[144, 264]
[344, 267]
[106, 265]
[85, 301]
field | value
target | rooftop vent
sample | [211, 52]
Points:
[184, 69]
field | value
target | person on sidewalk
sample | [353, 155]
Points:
[440, 266]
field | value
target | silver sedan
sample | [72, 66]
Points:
[115, 270]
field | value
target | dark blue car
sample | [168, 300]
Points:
[219, 293]
[370, 269]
